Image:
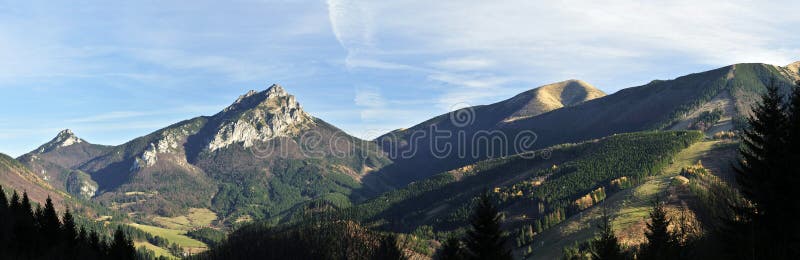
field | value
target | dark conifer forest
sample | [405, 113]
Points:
[28, 232]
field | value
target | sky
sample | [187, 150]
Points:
[115, 70]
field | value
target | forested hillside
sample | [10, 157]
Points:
[542, 187]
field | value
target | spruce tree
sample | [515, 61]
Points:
[38, 215]
[25, 228]
[659, 238]
[95, 243]
[606, 246]
[68, 230]
[5, 221]
[49, 223]
[765, 179]
[3, 201]
[121, 247]
[25, 206]
[451, 249]
[14, 205]
[763, 145]
[792, 209]
[485, 240]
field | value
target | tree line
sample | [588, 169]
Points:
[28, 232]
[761, 223]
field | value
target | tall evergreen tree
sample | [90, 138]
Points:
[765, 179]
[82, 235]
[794, 121]
[485, 240]
[68, 230]
[14, 205]
[659, 239]
[606, 246]
[49, 223]
[25, 205]
[763, 146]
[3, 201]
[5, 220]
[792, 209]
[25, 228]
[451, 250]
[38, 215]
[95, 243]
[121, 247]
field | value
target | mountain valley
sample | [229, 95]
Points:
[264, 160]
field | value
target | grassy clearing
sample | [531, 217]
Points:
[174, 236]
[689, 156]
[197, 217]
[157, 250]
[630, 208]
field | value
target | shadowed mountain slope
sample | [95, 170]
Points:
[713, 100]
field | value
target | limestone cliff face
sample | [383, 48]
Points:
[167, 141]
[80, 184]
[260, 116]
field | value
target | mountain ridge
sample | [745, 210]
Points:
[228, 157]
[657, 105]
[246, 160]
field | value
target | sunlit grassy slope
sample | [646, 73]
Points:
[173, 235]
[629, 208]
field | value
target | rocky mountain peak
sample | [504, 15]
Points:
[276, 91]
[794, 66]
[260, 116]
[253, 99]
[64, 138]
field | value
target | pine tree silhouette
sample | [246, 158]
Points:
[3, 201]
[765, 179]
[121, 247]
[451, 250]
[659, 238]
[485, 240]
[48, 222]
[606, 246]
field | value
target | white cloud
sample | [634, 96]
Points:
[369, 97]
[464, 63]
[549, 41]
[471, 81]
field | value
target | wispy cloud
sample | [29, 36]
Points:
[125, 115]
[550, 39]
[464, 63]
[115, 115]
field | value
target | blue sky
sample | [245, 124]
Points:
[115, 71]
